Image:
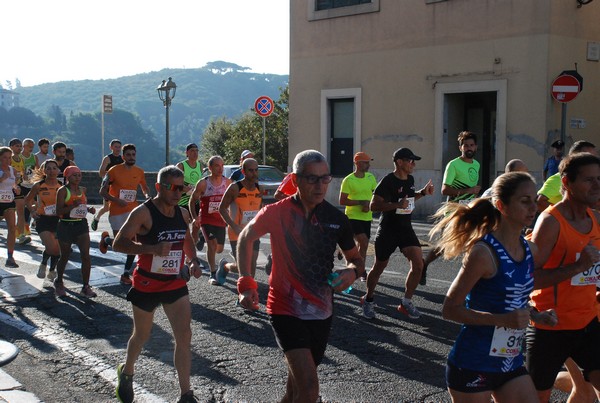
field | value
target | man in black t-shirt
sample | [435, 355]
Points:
[395, 198]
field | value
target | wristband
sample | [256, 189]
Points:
[246, 283]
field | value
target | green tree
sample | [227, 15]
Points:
[229, 137]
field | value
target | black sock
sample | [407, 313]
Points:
[45, 258]
[53, 261]
[129, 263]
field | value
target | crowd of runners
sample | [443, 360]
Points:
[525, 292]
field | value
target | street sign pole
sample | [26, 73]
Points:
[264, 106]
[563, 122]
[264, 141]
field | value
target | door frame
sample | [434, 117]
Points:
[497, 86]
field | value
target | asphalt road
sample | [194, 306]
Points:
[70, 347]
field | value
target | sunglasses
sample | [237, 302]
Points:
[171, 187]
[313, 179]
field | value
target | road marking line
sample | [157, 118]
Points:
[64, 341]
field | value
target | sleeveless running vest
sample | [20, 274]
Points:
[159, 273]
[210, 201]
[574, 300]
[113, 160]
[29, 166]
[191, 176]
[244, 207]
[492, 348]
[79, 212]
[47, 198]
[7, 195]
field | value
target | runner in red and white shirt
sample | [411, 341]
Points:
[209, 191]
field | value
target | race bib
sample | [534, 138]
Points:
[213, 207]
[168, 264]
[6, 196]
[506, 342]
[409, 209]
[79, 211]
[247, 216]
[464, 201]
[589, 277]
[127, 195]
[50, 210]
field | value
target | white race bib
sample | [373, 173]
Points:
[168, 264]
[589, 277]
[506, 342]
[6, 196]
[213, 207]
[50, 210]
[79, 211]
[409, 209]
[127, 195]
[247, 216]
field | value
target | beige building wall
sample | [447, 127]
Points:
[406, 58]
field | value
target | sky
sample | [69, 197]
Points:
[49, 41]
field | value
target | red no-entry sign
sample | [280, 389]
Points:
[565, 88]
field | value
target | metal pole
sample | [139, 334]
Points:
[102, 156]
[563, 122]
[167, 104]
[264, 142]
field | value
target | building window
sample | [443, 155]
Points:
[327, 4]
[323, 9]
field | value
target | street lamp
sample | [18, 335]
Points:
[166, 92]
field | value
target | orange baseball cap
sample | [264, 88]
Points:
[360, 156]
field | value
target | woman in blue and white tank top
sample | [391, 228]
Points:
[490, 293]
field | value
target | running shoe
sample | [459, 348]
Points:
[124, 390]
[59, 288]
[10, 262]
[222, 271]
[41, 271]
[102, 245]
[423, 280]
[188, 397]
[94, 225]
[368, 308]
[407, 308]
[125, 279]
[212, 280]
[22, 240]
[269, 265]
[363, 277]
[87, 291]
[51, 274]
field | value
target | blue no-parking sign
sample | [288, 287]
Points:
[263, 106]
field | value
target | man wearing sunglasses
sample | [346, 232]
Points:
[304, 230]
[119, 187]
[395, 198]
[158, 232]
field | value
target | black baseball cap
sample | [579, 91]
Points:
[190, 146]
[558, 144]
[405, 153]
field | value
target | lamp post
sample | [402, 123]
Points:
[166, 92]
